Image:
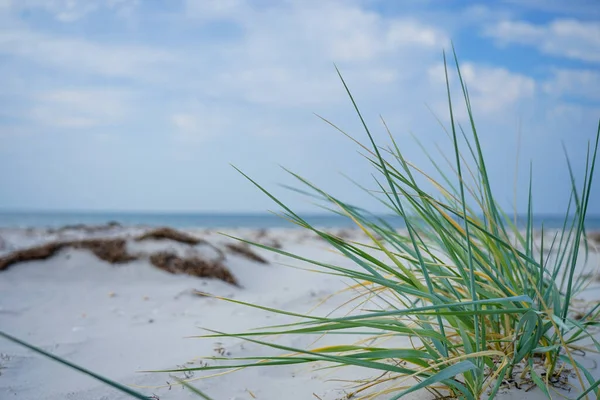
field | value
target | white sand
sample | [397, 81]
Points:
[118, 320]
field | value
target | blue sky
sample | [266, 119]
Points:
[144, 104]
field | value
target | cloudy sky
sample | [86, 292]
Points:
[144, 104]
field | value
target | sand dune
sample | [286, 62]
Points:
[120, 319]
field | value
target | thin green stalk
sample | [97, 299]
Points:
[76, 367]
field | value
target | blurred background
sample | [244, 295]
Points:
[120, 106]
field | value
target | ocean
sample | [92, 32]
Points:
[38, 219]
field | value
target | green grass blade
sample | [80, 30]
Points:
[192, 389]
[441, 376]
[69, 364]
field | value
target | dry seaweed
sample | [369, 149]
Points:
[245, 251]
[34, 253]
[192, 266]
[170, 234]
[86, 228]
[594, 237]
[262, 237]
[113, 251]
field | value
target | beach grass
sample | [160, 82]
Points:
[107, 381]
[476, 297]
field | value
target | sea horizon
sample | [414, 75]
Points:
[203, 219]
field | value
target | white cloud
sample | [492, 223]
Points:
[73, 10]
[566, 38]
[584, 8]
[81, 108]
[280, 58]
[215, 9]
[571, 82]
[284, 56]
[339, 29]
[279, 86]
[200, 122]
[348, 32]
[491, 89]
[185, 122]
[86, 57]
[575, 113]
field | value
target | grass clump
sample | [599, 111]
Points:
[474, 298]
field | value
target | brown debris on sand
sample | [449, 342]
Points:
[245, 251]
[593, 241]
[170, 234]
[192, 266]
[86, 228]
[34, 253]
[262, 237]
[113, 251]
[274, 243]
[345, 234]
[594, 237]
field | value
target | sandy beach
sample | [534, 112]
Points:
[118, 319]
[447, 150]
